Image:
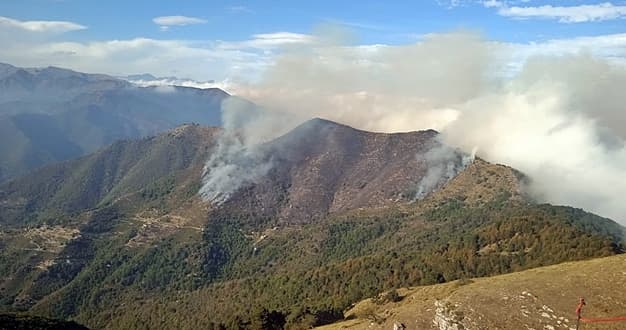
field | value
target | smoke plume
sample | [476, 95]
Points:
[239, 158]
[561, 120]
[443, 164]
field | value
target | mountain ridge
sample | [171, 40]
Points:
[322, 166]
[140, 248]
[53, 114]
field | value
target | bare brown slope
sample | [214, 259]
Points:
[323, 167]
[541, 298]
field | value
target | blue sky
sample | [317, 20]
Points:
[210, 23]
[376, 21]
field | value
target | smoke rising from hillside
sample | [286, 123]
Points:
[443, 164]
[238, 158]
[561, 120]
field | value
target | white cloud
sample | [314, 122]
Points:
[565, 14]
[610, 47]
[165, 21]
[270, 40]
[236, 60]
[200, 61]
[40, 26]
[280, 38]
[492, 4]
[171, 81]
[240, 9]
[450, 4]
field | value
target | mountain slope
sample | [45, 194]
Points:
[12, 322]
[541, 298]
[122, 168]
[323, 167]
[121, 239]
[52, 114]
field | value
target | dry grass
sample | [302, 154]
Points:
[49, 238]
[541, 298]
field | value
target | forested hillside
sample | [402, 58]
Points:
[52, 114]
[120, 238]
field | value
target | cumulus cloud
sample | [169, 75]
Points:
[564, 14]
[558, 118]
[40, 26]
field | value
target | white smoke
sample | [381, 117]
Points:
[561, 120]
[443, 163]
[239, 158]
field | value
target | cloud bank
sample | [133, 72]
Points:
[560, 119]
[40, 26]
[233, 60]
[564, 14]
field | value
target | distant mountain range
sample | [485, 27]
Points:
[121, 238]
[53, 114]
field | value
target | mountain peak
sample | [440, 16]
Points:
[323, 121]
[6, 65]
[6, 69]
[319, 123]
[323, 167]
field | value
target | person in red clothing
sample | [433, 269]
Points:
[579, 310]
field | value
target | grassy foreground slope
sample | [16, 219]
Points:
[540, 298]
